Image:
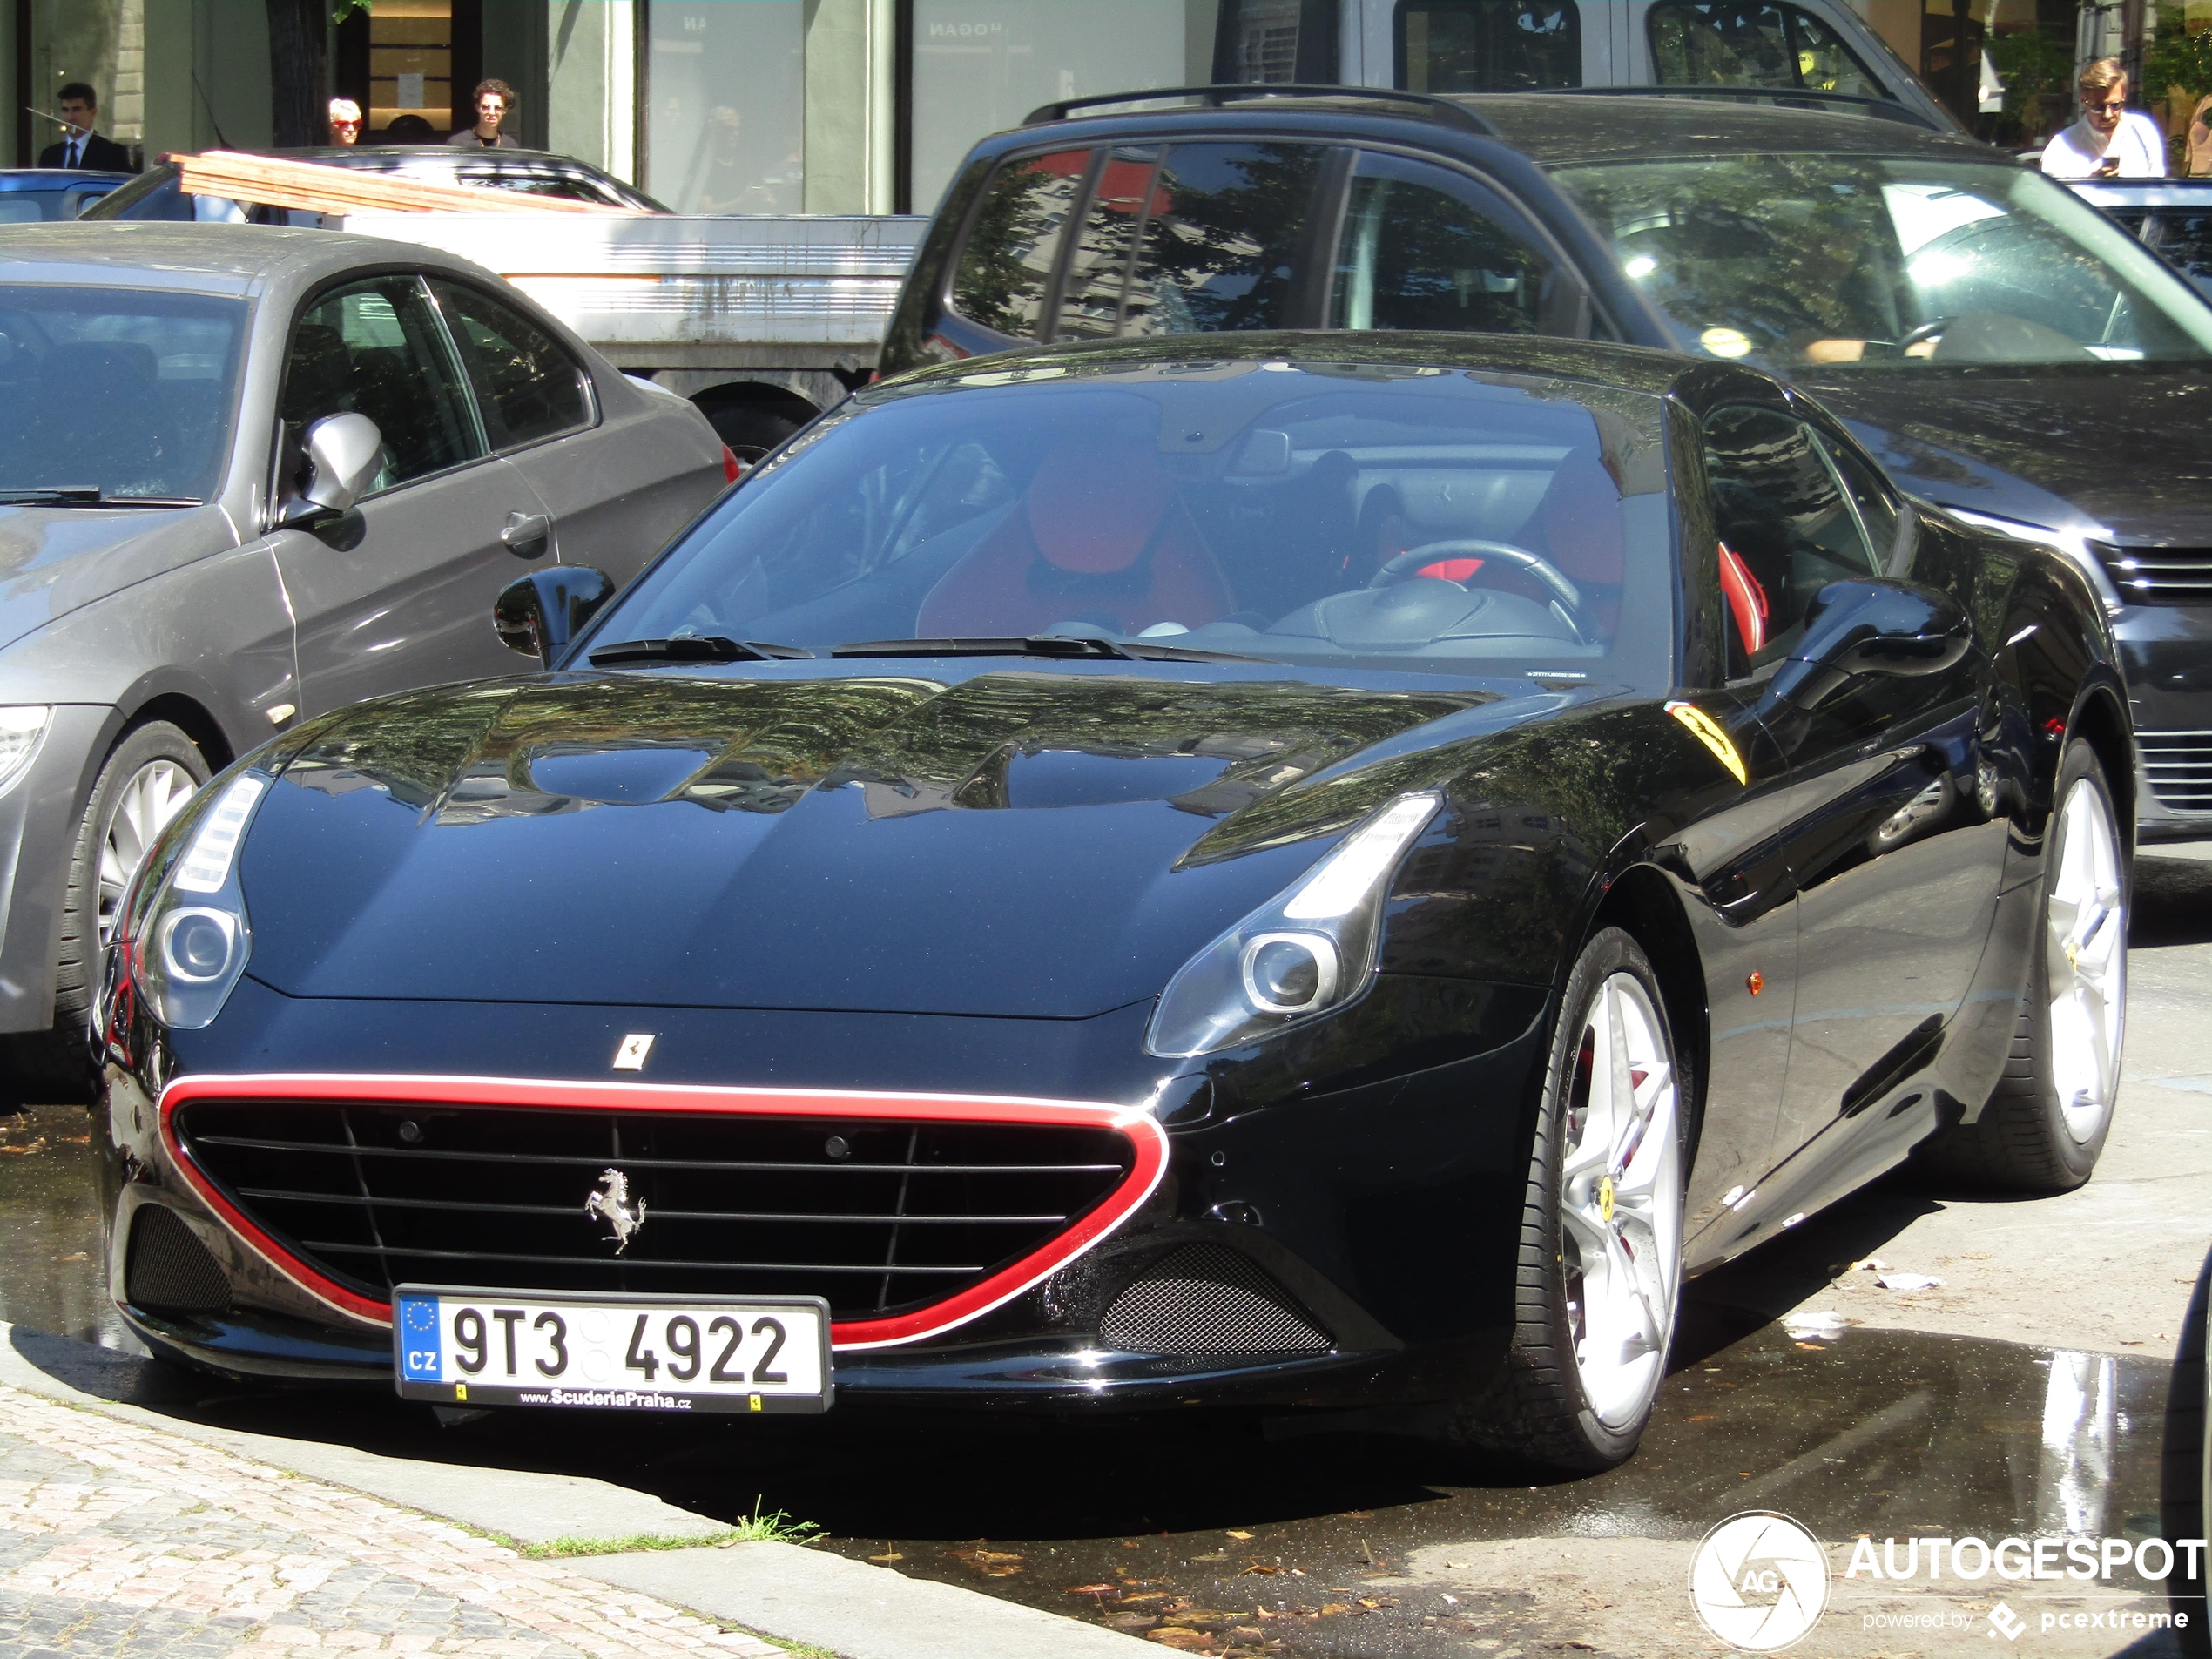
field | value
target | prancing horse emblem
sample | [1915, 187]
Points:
[612, 1205]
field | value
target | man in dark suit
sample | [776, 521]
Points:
[80, 145]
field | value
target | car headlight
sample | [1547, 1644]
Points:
[186, 949]
[1308, 951]
[21, 729]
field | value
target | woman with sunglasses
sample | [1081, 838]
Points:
[2110, 140]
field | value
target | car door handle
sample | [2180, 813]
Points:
[525, 534]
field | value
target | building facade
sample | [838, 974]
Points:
[817, 106]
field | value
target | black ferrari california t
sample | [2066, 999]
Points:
[1305, 870]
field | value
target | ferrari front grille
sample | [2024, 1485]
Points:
[2158, 576]
[2178, 765]
[875, 1214]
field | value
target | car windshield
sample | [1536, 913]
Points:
[1886, 263]
[1435, 519]
[124, 391]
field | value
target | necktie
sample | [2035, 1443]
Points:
[74, 150]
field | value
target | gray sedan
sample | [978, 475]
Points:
[247, 475]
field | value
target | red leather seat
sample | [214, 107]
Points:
[1580, 516]
[1102, 536]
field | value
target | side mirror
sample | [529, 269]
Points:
[344, 453]
[538, 614]
[1858, 628]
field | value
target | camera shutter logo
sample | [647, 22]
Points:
[1759, 1582]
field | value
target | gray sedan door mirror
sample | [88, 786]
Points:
[538, 614]
[344, 454]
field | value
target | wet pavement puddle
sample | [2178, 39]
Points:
[1236, 1535]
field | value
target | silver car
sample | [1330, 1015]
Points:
[247, 476]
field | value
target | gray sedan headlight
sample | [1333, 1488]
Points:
[21, 728]
[1308, 951]
[188, 947]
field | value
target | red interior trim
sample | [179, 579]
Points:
[1746, 599]
[1147, 1140]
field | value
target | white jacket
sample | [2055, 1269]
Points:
[2139, 143]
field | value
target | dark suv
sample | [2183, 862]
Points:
[2008, 351]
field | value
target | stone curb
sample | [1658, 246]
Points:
[854, 1610]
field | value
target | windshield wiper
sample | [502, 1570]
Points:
[1067, 647]
[693, 648]
[87, 495]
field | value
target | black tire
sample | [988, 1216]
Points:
[1535, 1408]
[2182, 1473]
[750, 427]
[55, 1067]
[2021, 1143]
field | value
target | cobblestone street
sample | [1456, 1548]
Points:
[117, 1539]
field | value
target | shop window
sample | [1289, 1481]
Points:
[410, 66]
[725, 105]
[981, 65]
[1488, 45]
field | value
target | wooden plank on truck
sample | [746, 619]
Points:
[318, 188]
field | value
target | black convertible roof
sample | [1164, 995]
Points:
[1634, 368]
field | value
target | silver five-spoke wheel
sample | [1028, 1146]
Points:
[2085, 960]
[2045, 1122]
[1621, 1202]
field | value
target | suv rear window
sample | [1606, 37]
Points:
[1005, 270]
[1488, 45]
[1207, 237]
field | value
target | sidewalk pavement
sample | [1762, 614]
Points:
[125, 1533]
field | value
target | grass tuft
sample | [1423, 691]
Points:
[774, 1528]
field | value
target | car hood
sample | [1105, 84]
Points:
[1045, 844]
[53, 559]
[2125, 450]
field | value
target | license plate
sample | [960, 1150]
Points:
[705, 1353]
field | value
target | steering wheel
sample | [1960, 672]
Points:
[1569, 596]
[1926, 331]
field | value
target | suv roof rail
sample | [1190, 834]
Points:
[1214, 97]
[1882, 109]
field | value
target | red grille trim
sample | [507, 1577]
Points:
[1147, 1140]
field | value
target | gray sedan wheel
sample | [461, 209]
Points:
[153, 773]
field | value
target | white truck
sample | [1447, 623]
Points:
[762, 321]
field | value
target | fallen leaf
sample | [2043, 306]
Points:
[1358, 1514]
[1127, 1621]
[1816, 1347]
[1245, 1536]
[1329, 1610]
[1247, 1633]
[38, 1145]
[1704, 1417]
[75, 1139]
[1258, 1567]
[1365, 1602]
[889, 1555]
[74, 1256]
[1094, 1589]
[1180, 1639]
